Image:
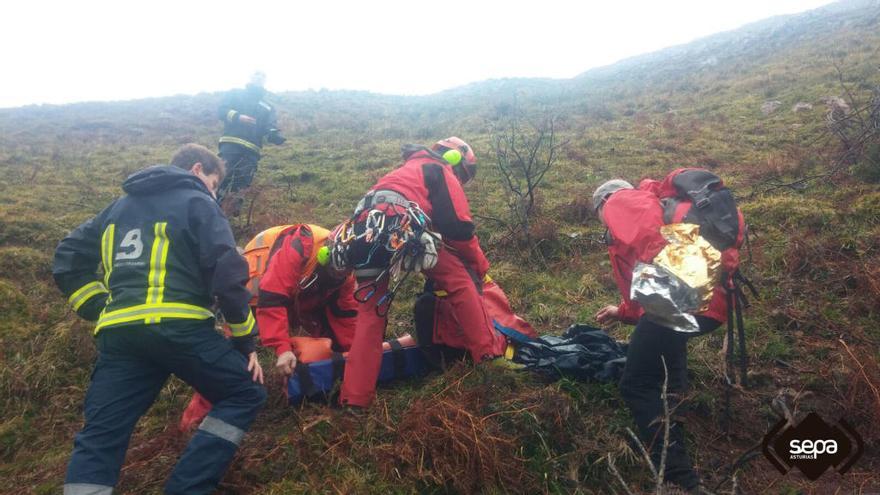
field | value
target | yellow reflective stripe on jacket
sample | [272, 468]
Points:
[230, 115]
[107, 252]
[86, 292]
[158, 259]
[243, 142]
[147, 313]
[243, 329]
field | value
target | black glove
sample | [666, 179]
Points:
[275, 137]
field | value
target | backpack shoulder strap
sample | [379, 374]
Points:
[669, 207]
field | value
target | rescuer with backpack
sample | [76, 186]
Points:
[634, 218]
[248, 120]
[293, 287]
[167, 254]
[416, 218]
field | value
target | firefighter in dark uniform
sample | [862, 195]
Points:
[168, 255]
[248, 119]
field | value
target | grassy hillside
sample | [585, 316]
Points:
[725, 102]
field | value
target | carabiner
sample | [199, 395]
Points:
[371, 287]
[309, 281]
[387, 298]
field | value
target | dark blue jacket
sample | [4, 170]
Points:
[166, 252]
[251, 102]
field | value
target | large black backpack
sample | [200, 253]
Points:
[712, 207]
[700, 197]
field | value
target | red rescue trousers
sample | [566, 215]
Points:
[463, 286]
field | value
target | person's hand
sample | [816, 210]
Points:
[247, 119]
[254, 367]
[286, 363]
[608, 314]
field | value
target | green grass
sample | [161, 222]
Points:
[815, 258]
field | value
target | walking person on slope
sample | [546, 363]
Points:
[248, 120]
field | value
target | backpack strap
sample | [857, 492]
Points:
[697, 184]
[741, 335]
[739, 280]
[669, 206]
[728, 357]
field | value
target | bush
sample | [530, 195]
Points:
[868, 167]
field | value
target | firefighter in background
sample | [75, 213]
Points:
[294, 287]
[248, 120]
[167, 253]
[409, 211]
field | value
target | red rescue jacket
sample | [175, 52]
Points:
[426, 181]
[326, 308]
[634, 218]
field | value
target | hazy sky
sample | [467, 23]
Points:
[78, 50]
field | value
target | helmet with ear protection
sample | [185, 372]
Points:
[460, 155]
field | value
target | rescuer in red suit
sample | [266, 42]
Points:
[432, 180]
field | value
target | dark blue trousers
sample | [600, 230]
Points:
[241, 166]
[134, 363]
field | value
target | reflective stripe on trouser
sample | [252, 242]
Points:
[208, 454]
[133, 365]
[87, 489]
[222, 429]
[236, 399]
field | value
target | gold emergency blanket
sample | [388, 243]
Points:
[681, 279]
[690, 258]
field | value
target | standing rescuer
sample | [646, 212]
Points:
[421, 201]
[168, 255]
[634, 218]
[248, 120]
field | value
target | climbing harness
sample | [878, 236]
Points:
[399, 228]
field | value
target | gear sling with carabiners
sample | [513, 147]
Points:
[389, 237]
